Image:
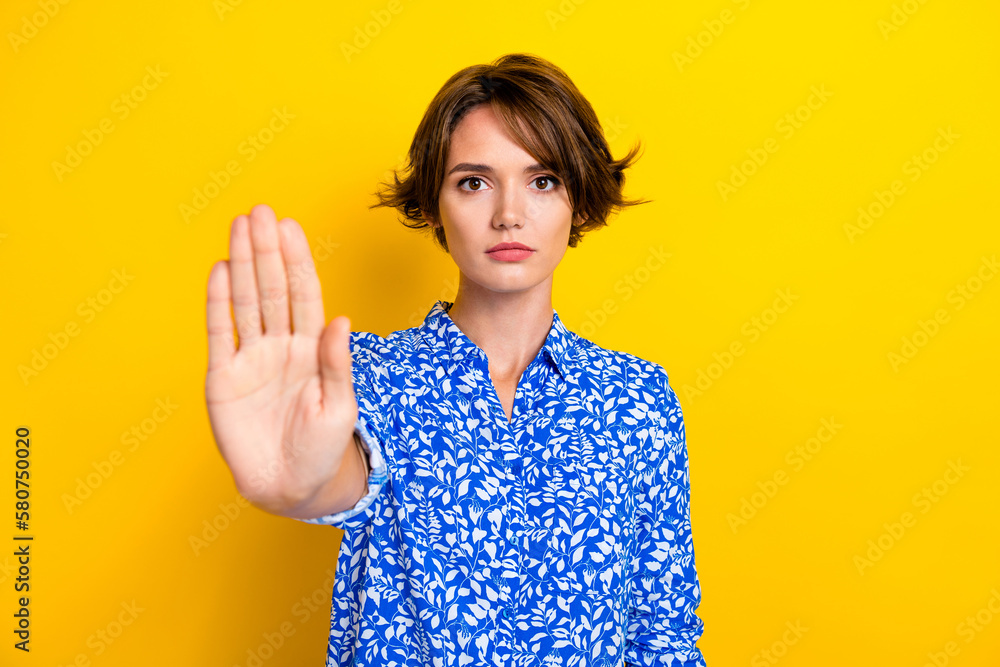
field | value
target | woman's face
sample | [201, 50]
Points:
[495, 192]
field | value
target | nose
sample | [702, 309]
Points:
[510, 209]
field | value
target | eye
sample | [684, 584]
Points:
[548, 180]
[471, 179]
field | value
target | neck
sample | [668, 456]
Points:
[510, 327]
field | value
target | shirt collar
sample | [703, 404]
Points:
[444, 335]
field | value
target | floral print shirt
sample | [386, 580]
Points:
[561, 537]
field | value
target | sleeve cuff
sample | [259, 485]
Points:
[376, 481]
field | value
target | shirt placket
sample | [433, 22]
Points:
[514, 515]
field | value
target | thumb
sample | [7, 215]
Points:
[335, 361]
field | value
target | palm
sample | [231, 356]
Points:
[282, 407]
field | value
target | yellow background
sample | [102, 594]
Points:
[825, 357]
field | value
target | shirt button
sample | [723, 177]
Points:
[506, 612]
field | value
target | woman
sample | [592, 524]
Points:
[510, 492]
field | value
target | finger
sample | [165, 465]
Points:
[221, 344]
[303, 283]
[272, 283]
[335, 362]
[243, 279]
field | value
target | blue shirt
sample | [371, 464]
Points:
[562, 537]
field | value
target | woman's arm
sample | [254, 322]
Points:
[282, 406]
[666, 590]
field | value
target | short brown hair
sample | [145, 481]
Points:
[547, 115]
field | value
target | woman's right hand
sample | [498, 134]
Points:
[282, 407]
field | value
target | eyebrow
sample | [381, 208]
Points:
[469, 166]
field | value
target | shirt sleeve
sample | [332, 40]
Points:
[370, 426]
[663, 626]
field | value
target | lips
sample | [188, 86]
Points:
[510, 251]
[509, 245]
